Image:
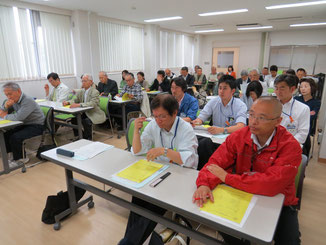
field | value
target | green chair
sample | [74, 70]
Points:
[104, 105]
[299, 179]
[130, 132]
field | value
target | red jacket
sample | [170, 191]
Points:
[275, 167]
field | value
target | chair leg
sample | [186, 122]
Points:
[313, 146]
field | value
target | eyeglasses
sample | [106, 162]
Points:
[161, 117]
[261, 118]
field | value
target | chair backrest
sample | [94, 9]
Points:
[130, 132]
[299, 179]
[104, 102]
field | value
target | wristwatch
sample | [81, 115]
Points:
[165, 152]
[225, 131]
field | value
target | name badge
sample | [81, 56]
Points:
[291, 128]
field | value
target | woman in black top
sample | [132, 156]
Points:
[308, 89]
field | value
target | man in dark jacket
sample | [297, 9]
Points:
[106, 86]
[161, 83]
[190, 79]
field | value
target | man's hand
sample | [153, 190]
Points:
[217, 171]
[139, 123]
[46, 88]
[65, 103]
[3, 113]
[74, 105]
[9, 103]
[201, 195]
[131, 96]
[118, 95]
[215, 130]
[196, 122]
[101, 94]
[312, 113]
[152, 154]
[147, 90]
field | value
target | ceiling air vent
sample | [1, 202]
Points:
[201, 25]
[248, 24]
[285, 19]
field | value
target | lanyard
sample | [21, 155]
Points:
[175, 134]
[227, 121]
[290, 116]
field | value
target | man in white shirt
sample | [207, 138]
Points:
[296, 115]
[60, 91]
[167, 138]
[269, 79]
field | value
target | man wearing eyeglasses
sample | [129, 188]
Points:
[167, 138]
[264, 158]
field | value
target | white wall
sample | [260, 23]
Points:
[249, 44]
[298, 37]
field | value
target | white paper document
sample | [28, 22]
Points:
[91, 150]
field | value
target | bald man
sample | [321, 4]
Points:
[106, 86]
[265, 158]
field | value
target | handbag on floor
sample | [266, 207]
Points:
[55, 204]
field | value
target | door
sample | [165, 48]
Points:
[223, 57]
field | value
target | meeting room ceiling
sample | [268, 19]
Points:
[140, 10]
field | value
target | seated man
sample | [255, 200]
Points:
[20, 107]
[106, 86]
[169, 74]
[87, 96]
[228, 115]
[269, 79]
[296, 115]
[188, 105]
[213, 75]
[265, 158]
[244, 80]
[200, 78]
[60, 91]
[254, 76]
[167, 138]
[190, 79]
[161, 83]
[134, 92]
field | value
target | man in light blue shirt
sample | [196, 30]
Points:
[228, 115]
[167, 138]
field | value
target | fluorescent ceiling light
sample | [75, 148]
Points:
[254, 28]
[215, 30]
[309, 24]
[293, 5]
[224, 12]
[164, 19]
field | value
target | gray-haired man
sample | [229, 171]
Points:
[20, 107]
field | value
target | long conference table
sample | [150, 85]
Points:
[174, 194]
[77, 112]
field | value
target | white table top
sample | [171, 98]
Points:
[58, 107]
[174, 193]
[11, 124]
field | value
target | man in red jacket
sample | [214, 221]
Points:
[265, 158]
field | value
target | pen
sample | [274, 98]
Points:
[159, 180]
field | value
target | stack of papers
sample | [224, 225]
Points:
[230, 204]
[139, 173]
[91, 150]
[202, 127]
[4, 121]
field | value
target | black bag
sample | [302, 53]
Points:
[57, 204]
[43, 148]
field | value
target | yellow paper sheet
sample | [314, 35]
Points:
[67, 106]
[228, 203]
[140, 170]
[4, 121]
[206, 126]
[125, 97]
[40, 100]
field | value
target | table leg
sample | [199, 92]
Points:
[80, 126]
[4, 154]
[124, 126]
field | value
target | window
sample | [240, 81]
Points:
[121, 47]
[176, 50]
[33, 44]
